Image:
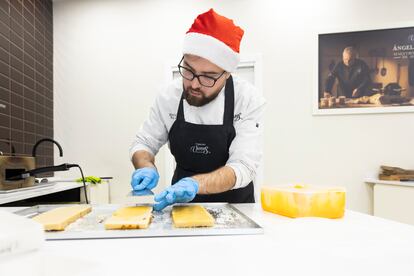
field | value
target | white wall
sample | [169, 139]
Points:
[109, 59]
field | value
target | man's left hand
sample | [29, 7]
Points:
[183, 191]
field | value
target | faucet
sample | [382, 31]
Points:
[9, 143]
[44, 140]
[63, 167]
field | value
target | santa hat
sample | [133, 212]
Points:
[215, 38]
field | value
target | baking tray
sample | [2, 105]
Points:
[228, 221]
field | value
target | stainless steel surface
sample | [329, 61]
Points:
[35, 187]
[13, 165]
[144, 192]
[141, 197]
[228, 221]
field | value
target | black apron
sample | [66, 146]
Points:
[204, 148]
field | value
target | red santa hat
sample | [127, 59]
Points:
[215, 38]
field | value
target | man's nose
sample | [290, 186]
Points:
[195, 83]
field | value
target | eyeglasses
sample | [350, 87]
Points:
[204, 80]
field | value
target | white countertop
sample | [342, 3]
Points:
[374, 180]
[358, 244]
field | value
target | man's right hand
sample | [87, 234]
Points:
[326, 95]
[144, 178]
[183, 191]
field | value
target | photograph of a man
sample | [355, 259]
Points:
[351, 74]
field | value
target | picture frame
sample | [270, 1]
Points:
[365, 71]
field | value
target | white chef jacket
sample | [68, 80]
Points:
[245, 150]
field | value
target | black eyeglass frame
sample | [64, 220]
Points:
[198, 76]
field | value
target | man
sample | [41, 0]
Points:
[352, 75]
[210, 119]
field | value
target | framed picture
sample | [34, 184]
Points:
[368, 71]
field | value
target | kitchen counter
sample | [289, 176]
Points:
[392, 199]
[38, 191]
[358, 244]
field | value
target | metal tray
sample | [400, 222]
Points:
[228, 221]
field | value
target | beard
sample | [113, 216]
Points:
[198, 98]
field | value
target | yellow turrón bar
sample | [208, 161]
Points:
[191, 216]
[134, 217]
[58, 218]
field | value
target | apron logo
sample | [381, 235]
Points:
[237, 117]
[200, 148]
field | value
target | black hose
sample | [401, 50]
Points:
[62, 167]
[83, 180]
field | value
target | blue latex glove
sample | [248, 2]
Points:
[183, 191]
[144, 178]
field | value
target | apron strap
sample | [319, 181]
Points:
[180, 112]
[228, 116]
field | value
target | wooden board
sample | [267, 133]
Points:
[191, 216]
[134, 217]
[395, 173]
[58, 218]
[396, 177]
[387, 170]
